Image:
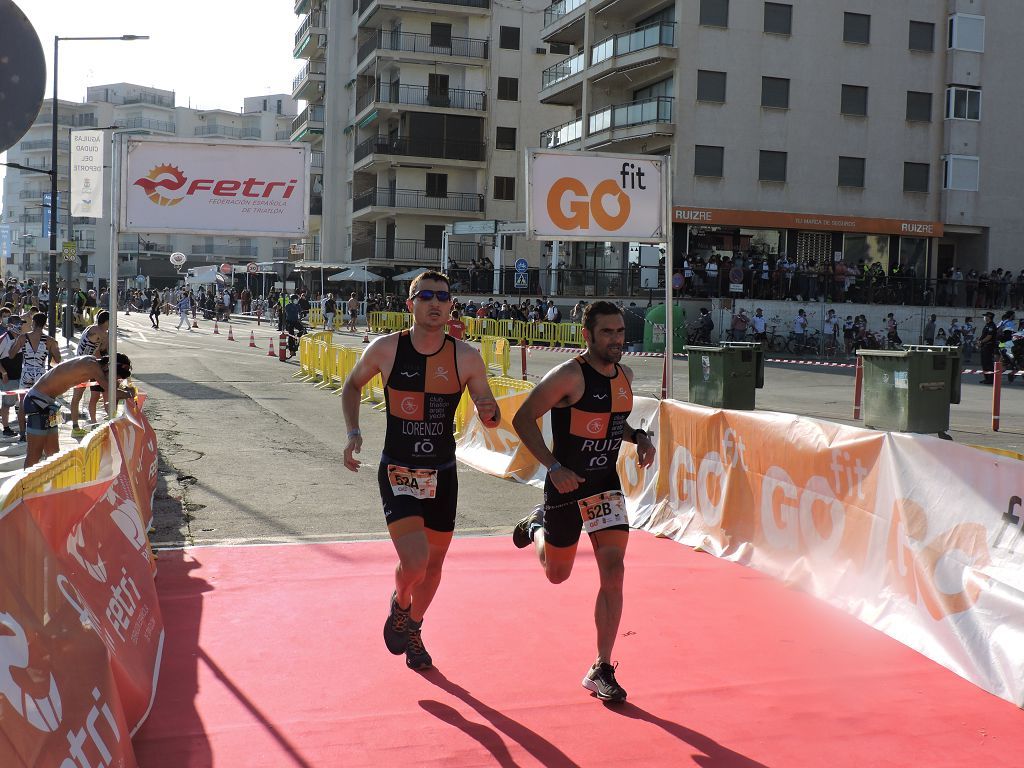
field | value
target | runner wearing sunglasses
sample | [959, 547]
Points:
[425, 372]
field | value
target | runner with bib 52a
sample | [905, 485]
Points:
[590, 398]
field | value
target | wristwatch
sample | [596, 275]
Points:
[637, 432]
[354, 433]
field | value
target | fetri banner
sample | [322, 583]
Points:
[918, 537]
[219, 187]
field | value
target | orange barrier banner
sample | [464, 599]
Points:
[81, 635]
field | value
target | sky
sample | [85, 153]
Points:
[211, 53]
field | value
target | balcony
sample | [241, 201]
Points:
[316, 205]
[620, 56]
[562, 135]
[224, 250]
[153, 99]
[634, 120]
[562, 82]
[311, 81]
[35, 146]
[385, 94]
[144, 123]
[367, 8]
[427, 46]
[308, 124]
[86, 244]
[282, 135]
[316, 159]
[311, 37]
[134, 245]
[301, 6]
[563, 22]
[387, 197]
[31, 194]
[413, 252]
[382, 148]
[213, 129]
[252, 132]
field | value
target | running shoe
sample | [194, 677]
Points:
[396, 628]
[416, 656]
[77, 432]
[601, 680]
[522, 534]
[8, 432]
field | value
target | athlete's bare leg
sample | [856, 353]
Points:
[610, 550]
[76, 400]
[557, 561]
[421, 554]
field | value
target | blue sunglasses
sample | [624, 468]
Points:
[426, 295]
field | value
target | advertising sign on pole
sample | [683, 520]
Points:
[595, 196]
[238, 188]
[5, 242]
[87, 173]
[46, 213]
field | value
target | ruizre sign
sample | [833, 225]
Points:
[595, 196]
[242, 188]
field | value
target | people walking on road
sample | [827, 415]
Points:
[330, 309]
[293, 324]
[425, 372]
[92, 343]
[184, 305]
[154, 308]
[590, 398]
[353, 311]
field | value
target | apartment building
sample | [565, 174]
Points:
[821, 129]
[422, 111]
[138, 110]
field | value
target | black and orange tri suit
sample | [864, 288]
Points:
[417, 474]
[587, 436]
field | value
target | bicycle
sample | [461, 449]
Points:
[810, 343]
[774, 342]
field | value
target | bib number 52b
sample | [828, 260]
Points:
[603, 510]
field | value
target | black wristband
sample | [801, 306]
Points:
[637, 432]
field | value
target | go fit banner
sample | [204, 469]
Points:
[81, 635]
[918, 537]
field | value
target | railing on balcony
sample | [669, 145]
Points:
[86, 244]
[133, 245]
[386, 197]
[28, 146]
[656, 110]
[651, 36]
[420, 147]
[150, 98]
[562, 70]
[282, 135]
[311, 114]
[418, 42]
[412, 250]
[84, 220]
[364, 4]
[82, 121]
[555, 11]
[225, 250]
[315, 19]
[30, 194]
[312, 68]
[252, 132]
[562, 134]
[316, 159]
[164, 126]
[218, 130]
[423, 96]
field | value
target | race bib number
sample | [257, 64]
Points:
[51, 419]
[603, 510]
[418, 483]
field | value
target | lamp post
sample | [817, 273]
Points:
[52, 320]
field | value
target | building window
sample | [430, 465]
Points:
[563, 49]
[966, 32]
[437, 185]
[508, 88]
[854, 100]
[772, 166]
[714, 13]
[505, 138]
[441, 36]
[856, 28]
[919, 106]
[507, 242]
[708, 161]
[960, 172]
[922, 36]
[915, 177]
[504, 187]
[963, 103]
[710, 85]
[508, 38]
[851, 172]
[778, 18]
[432, 235]
[775, 92]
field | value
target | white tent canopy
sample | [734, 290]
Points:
[358, 274]
[412, 274]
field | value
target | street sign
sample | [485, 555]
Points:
[521, 280]
[522, 265]
[69, 251]
[252, 268]
[474, 227]
[511, 228]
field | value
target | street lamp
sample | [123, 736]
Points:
[52, 320]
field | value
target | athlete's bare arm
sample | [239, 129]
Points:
[376, 359]
[473, 373]
[562, 386]
[644, 445]
[54, 350]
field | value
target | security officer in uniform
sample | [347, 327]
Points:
[987, 347]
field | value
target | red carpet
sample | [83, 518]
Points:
[274, 657]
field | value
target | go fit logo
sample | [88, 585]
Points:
[165, 185]
[585, 204]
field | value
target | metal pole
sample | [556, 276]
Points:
[444, 250]
[666, 188]
[112, 280]
[496, 288]
[555, 253]
[69, 320]
[52, 319]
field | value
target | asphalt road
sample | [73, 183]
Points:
[251, 455]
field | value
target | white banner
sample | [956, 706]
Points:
[595, 196]
[240, 188]
[87, 173]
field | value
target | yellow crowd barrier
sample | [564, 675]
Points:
[388, 322]
[496, 353]
[500, 386]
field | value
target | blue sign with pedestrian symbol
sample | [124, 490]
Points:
[521, 279]
[521, 267]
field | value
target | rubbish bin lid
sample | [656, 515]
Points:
[882, 353]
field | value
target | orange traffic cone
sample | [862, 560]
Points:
[252, 339]
[231, 335]
[271, 353]
[215, 331]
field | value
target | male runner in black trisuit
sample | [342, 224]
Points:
[424, 372]
[590, 398]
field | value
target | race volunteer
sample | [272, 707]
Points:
[425, 372]
[590, 398]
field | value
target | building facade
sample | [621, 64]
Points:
[138, 110]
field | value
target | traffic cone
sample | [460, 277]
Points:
[252, 339]
[271, 353]
[231, 335]
[215, 331]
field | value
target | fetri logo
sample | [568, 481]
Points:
[166, 185]
[586, 204]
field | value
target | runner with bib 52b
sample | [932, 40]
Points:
[424, 372]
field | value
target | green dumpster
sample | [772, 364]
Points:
[910, 390]
[758, 349]
[723, 377]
